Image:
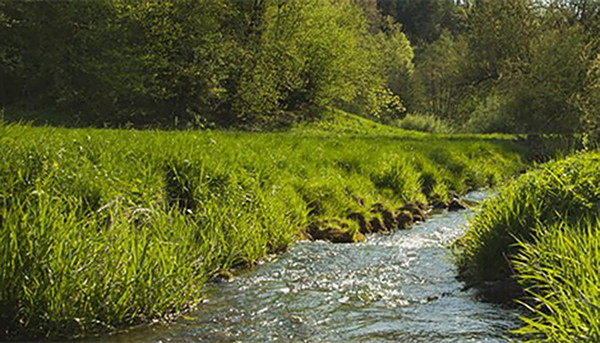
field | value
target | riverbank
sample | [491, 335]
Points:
[542, 231]
[398, 287]
[109, 228]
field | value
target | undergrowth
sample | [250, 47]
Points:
[105, 228]
[423, 123]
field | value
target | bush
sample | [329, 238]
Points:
[488, 116]
[423, 123]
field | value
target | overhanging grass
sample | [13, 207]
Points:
[104, 228]
[565, 190]
[543, 229]
[561, 272]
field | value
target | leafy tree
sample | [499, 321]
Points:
[170, 60]
[583, 12]
[499, 35]
[112, 62]
[244, 63]
[588, 102]
[424, 21]
[310, 55]
[48, 49]
[397, 57]
[438, 83]
[544, 91]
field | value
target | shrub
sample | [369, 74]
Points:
[423, 123]
[488, 116]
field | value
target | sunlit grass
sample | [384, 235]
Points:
[561, 272]
[105, 228]
[543, 230]
[565, 190]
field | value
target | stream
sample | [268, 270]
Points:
[399, 287]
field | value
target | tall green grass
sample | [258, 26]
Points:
[105, 228]
[543, 230]
[561, 272]
[565, 190]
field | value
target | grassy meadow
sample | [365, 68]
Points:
[107, 228]
[542, 230]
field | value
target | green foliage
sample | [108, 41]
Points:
[105, 228]
[542, 99]
[589, 104]
[424, 20]
[401, 178]
[389, 58]
[560, 271]
[542, 229]
[252, 64]
[514, 66]
[169, 62]
[60, 65]
[396, 60]
[439, 69]
[340, 122]
[499, 35]
[518, 66]
[488, 116]
[586, 13]
[423, 123]
[113, 62]
[558, 191]
[311, 54]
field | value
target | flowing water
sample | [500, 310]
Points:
[392, 288]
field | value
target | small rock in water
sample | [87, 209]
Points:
[499, 292]
[439, 204]
[456, 205]
[418, 213]
[360, 219]
[432, 298]
[376, 224]
[335, 231]
[404, 220]
[223, 275]
[388, 220]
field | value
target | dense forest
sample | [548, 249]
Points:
[515, 66]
